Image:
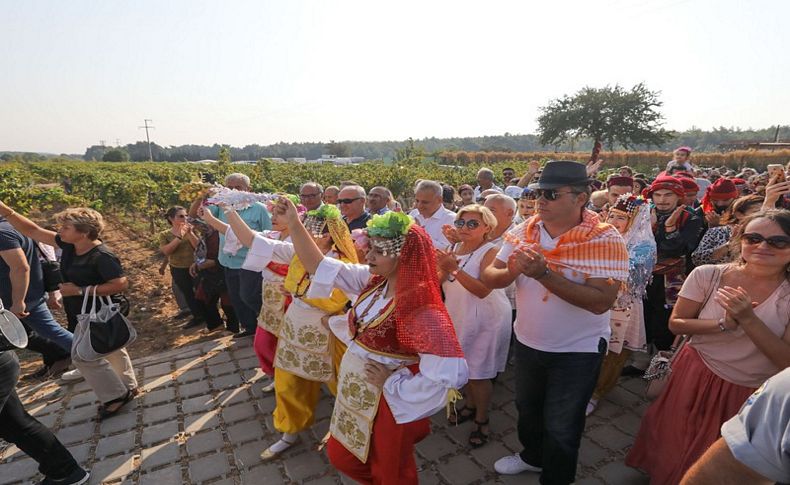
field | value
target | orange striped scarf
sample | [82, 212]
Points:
[593, 248]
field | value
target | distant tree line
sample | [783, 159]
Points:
[700, 140]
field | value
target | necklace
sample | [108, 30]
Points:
[469, 258]
[375, 297]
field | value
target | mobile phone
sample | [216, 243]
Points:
[777, 171]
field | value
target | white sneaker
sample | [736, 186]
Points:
[513, 465]
[72, 375]
[591, 407]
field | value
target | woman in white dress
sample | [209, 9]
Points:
[481, 315]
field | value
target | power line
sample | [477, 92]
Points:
[148, 138]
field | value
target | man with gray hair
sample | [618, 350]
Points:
[244, 286]
[351, 202]
[378, 200]
[485, 181]
[310, 195]
[430, 212]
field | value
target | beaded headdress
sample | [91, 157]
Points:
[389, 231]
[316, 220]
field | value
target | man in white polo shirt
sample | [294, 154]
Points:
[568, 267]
[431, 213]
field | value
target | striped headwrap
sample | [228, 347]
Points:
[593, 249]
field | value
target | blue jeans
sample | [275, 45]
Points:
[552, 392]
[44, 324]
[25, 431]
[245, 291]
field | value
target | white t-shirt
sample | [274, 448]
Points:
[548, 323]
[433, 225]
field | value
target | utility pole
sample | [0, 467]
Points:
[148, 138]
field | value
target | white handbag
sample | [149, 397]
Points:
[100, 333]
[12, 332]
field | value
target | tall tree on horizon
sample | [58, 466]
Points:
[608, 115]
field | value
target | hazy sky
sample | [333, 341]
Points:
[241, 72]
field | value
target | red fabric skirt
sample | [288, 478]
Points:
[265, 346]
[685, 419]
[391, 458]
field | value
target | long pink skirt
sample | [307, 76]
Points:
[685, 419]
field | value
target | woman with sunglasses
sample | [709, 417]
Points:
[738, 317]
[714, 248]
[178, 245]
[481, 315]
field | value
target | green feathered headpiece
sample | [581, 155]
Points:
[294, 198]
[326, 211]
[389, 225]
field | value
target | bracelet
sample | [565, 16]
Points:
[721, 325]
[543, 275]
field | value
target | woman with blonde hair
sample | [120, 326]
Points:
[738, 317]
[86, 264]
[481, 315]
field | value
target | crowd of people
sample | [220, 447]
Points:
[404, 312]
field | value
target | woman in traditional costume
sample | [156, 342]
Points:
[307, 355]
[630, 215]
[403, 363]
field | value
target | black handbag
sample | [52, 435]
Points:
[51, 270]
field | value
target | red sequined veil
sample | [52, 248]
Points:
[419, 322]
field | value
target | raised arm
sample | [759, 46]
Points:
[303, 243]
[208, 216]
[243, 233]
[27, 227]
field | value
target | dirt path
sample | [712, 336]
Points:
[152, 304]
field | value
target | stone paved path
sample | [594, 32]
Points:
[203, 419]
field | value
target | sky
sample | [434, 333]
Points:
[259, 72]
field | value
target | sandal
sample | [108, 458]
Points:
[278, 448]
[111, 408]
[462, 415]
[477, 438]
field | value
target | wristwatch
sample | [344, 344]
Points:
[543, 275]
[721, 325]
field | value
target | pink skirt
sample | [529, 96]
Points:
[685, 420]
[265, 346]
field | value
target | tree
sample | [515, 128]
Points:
[609, 115]
[337, 149]
[115, 155]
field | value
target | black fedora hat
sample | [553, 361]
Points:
[561, 173]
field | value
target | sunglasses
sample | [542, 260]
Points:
[776, 242]
[347, 201]
[551, 194]
[471, 223]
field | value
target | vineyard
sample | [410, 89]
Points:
[139, 193]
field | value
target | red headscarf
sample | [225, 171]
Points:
[620, 181]
[665, 182]
[423, 324]
[721, 189]
[689, 185]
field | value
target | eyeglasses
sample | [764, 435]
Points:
[776, 242]
[471, 223]
[551, 194]
[309, 196]
[347, 201]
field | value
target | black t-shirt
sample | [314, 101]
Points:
[97, 266]
[11, 239]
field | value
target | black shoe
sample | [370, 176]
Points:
[182, 314]
[246, 333]
[193, 324]
[77, 477]
[631, 371]
[39, 374]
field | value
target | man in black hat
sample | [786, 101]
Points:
[567, 266]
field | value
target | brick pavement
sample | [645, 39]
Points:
[203, 419]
